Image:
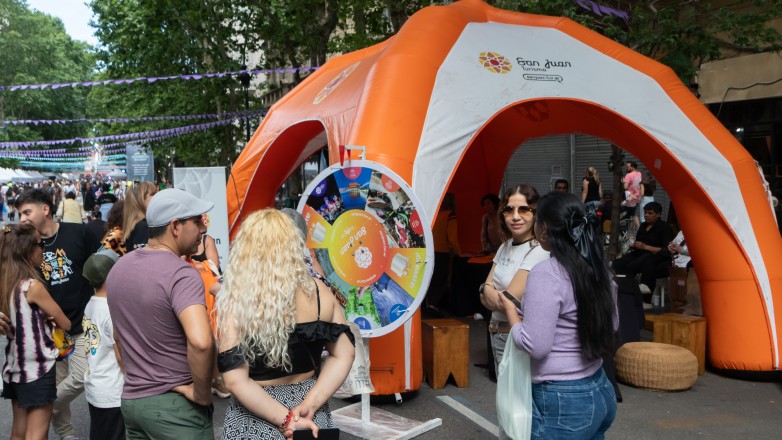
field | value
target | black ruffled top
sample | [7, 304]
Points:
[305, 345]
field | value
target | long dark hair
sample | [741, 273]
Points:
[17, 244]
[571, 234]
[115, 216]
[528, 191]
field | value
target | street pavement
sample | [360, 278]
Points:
[715, 408]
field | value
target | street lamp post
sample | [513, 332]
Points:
[244, 79]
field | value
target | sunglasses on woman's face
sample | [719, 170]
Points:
[522, 210]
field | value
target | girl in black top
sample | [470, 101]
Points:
[135, 232]
[272, 323]
[591, 189]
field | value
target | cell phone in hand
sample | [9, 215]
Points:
[323, 434]
[512, 299]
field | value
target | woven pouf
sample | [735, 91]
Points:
[655, 366]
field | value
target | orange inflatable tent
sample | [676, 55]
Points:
[446, 101]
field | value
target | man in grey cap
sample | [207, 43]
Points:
[156, 301]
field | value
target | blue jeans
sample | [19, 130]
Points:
[573, 409]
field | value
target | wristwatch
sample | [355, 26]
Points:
[481, 287]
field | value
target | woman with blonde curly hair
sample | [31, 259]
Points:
[135, 230]
[273, 324]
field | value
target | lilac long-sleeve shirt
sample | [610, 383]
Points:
[549, 331]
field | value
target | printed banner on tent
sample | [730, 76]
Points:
[141, 164]
[209, 184]
[367, 231]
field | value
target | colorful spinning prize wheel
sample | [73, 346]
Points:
[367, 232]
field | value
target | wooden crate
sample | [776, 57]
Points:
[685, 331]
[446, 351]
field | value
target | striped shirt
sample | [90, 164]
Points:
[30, 353]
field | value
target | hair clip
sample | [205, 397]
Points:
[6, 229]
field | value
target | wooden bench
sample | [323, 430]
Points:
[681, 330]
[446, 351]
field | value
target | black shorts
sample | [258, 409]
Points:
[37, 393]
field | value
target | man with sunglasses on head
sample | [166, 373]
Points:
[66, 247]
[168, 365]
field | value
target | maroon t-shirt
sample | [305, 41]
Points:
[146, 290]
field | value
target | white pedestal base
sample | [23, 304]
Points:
[381, 425]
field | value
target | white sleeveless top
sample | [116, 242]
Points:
[31, 353]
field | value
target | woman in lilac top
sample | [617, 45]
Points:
[570, 318]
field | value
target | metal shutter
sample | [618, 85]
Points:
[539, 162]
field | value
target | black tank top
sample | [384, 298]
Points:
[593, 193]
[305, 345]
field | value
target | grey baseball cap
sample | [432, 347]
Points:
[172, 204]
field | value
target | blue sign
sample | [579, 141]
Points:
[140, 164]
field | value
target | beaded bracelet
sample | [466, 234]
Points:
[284, 426]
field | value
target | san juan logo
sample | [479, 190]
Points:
[334, 83]
[494, 62]
[56, 267]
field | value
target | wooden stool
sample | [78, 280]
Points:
[684, 331]
[655, 366]
[446, 351]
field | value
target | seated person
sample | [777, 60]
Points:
[649, 253]
[679, 251]
[606, 205]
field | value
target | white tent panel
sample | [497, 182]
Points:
[582, 73]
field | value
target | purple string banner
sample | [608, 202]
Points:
[152, 79]
[73, 159]
[600, 9]
[46, 154]
[135, 136]
[36, 122]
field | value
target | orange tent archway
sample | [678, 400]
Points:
[447, 100]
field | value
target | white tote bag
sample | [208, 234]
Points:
[358, 380]
[514, 392]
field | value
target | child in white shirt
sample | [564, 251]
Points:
[103, 377]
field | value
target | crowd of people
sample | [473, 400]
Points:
[75, 200]
[553, 294]
[95, 282]
[550, 291]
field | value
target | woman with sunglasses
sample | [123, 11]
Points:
[28, 370]
[570, 317]
[513, 261]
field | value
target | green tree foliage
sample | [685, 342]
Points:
[7, 162]
[680, 34]
[142, 38]
[35, 49]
